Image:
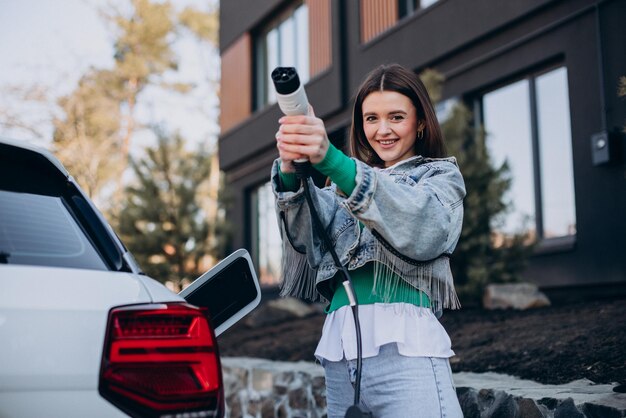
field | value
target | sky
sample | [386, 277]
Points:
[53, 42]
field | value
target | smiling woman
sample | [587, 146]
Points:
[395, 212]
[391, 125]
[389, 92]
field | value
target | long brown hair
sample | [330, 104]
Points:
[394, 77]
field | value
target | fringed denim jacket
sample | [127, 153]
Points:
[411, 212]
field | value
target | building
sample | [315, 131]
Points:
[540, 75]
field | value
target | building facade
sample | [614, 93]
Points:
[541, 77]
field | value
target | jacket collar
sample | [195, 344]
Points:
[416, 161]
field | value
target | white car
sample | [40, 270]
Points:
[83, 332]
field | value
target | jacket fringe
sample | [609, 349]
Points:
[298, 277]
[431, 277]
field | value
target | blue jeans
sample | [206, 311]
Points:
[393, 386]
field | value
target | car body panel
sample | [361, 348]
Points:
[66, 403]
[53, 322]
[157, 291]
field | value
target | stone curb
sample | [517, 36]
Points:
[262, 388]
[580, 398]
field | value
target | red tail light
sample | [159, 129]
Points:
[162, 360]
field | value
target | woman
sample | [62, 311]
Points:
[394, 212]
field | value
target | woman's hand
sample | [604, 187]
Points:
[301, 137]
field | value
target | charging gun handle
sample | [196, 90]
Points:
[290, 94]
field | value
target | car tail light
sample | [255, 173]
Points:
[161, 360]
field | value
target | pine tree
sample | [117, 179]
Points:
[482, 255]
[162, 220]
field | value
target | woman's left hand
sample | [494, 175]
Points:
[305, 135]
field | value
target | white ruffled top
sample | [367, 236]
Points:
[416, 331]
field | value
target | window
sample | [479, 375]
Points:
[266, 241]
[39, 230]
[407, 7]
[285, 43]
[528, 125]
[444, 109]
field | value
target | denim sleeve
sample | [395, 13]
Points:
[298, 224]
[420, 214]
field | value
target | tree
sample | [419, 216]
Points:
[24, 109]
[87, 137]
[162, 220]
[482, 255]
[143, 50]
[97, 122]
[205, 25]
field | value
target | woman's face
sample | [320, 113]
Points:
[390, 124]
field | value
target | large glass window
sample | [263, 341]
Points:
[528, 126]
[555, 155]
[284, 43]
[266, 241]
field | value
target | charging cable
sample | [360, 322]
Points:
[292, 100]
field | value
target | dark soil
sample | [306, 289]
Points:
[553, 345]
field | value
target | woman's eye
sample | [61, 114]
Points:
[370, 118]
[397, 118]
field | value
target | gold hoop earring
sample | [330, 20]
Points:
[420, 134]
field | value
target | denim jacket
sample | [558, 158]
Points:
[412, 214]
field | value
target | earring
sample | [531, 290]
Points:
[420, 134]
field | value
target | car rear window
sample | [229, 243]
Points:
[39, 230]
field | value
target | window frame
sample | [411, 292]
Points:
[261, 89]
[543, 244]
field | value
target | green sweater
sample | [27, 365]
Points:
[363, 282]
[342, 171]
[336, 165]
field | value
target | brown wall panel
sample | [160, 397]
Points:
[376, 17]
[236, 83]
[319, 35]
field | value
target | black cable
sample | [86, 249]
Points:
[292, 100]
[303, 172]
